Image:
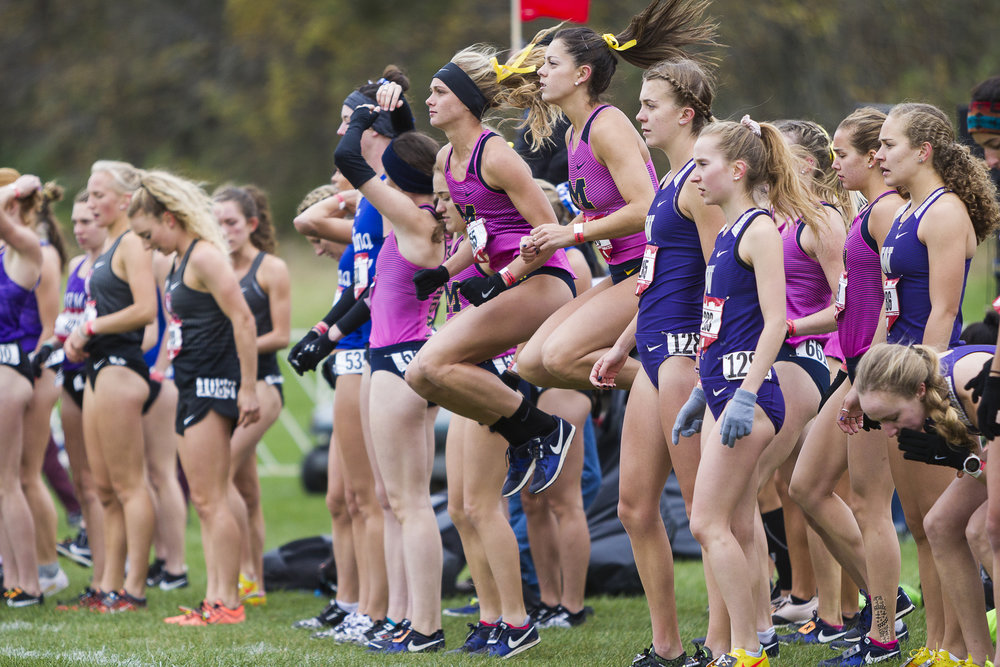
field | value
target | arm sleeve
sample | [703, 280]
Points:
[344, 304]
[359, 313]
[402, 118]
[348, 156]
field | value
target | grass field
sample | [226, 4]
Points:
[618, 630]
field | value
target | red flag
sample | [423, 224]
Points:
[569, 10]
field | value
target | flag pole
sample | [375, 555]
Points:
[515, 26]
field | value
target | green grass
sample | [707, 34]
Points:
[618, 630]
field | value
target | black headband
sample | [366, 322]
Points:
[382, 124]
[405, 175]
[464, 88]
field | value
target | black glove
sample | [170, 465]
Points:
[978, 383]
[480, 289]
[930, 448]
[989, 406]
[39, 358]
[312, 353]
[293, 354]
[869, 424]
[429, 280]
[329, 371]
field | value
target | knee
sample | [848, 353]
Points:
[937, 526]
[456, 511]
[478, 512]
[534, 506]
[807, 496]
[529, 364]
[557, 359]
[993, 527]
[637, 516]
[336, 503]
[423, 373]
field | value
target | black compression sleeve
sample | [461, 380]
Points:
[344, 304]
[402, 118]
[356, 316]
[348, 156]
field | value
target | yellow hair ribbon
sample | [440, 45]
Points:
[612, 41]
[503, 71]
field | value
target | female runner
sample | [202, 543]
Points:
[925, 259]
[741, 333]
[212, 345]
[20, 269]
[675, 104]
[612, 181]
[246, 223]
[928, 402]
[860, 536]
[121, 302]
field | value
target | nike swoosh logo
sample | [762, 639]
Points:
[824, 638]
[413, 647]
[580, 166]
[487, 294]
[650, 348]
[629, 272]
[661, 203]
[721, 253]
[173, 286]
[99, 265]
[898, 234]
[188, 419]
[511, 643]
[938, 457]
[716, 392]
[558, 447]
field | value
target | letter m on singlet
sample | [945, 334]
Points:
[469, 212]
[579, 197]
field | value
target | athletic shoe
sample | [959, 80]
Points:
[506, 642]
[155, 572]
[52, 585]
[795, 612]
[904, 605]
[77, 549]
[220, 614]
[816, 631]
[185, 617]
[772, 647]
[384, 638]
[542, 614]
[171, 582]
[740, 658]
[120, 601]
[352, 629]
[88, 599]
[563, 619]
[854, 635]
[865, 652]
[16, 599]
[649, 658]
[470, 609]
[520, 466]
[331, 616]
[411, 641]
[476, 640]
[779, 602]
[945, 659]
[381, 629]
[250, 592]
[702, 657]
[550, 452]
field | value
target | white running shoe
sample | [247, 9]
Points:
[52, 585]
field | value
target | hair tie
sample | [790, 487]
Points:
[750, 124]
[505, 70]
[382, 80]
[612, 41]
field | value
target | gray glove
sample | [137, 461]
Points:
[737, 418]
[690, 416]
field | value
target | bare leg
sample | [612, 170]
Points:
[83, 484]
[36, 439]
[161, 463]
[20, 560]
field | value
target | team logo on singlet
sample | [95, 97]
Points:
[223, 388]
[576, 190]
[468, 212]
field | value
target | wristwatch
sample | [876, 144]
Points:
[972, 466]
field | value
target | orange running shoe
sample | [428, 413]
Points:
[189, 614]
[116, 602]
[220, 614]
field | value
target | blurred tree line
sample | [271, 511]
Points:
[251, 90]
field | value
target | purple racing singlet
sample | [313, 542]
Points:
[74, 305]
[859, 294]
[397, 315]
[806, 288]
[504, 224]
[906, 266]
[12, 300]
[594, 192]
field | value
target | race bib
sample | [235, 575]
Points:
[711, 320]
[10, 354]
[604, 247]
[841, 300]
[502, 363]
[90, 311]
[349, 362]
[66, 322]
[402, 359]
[891, 302]
[175, 339]
[476, 233]
[811, 349]
[646, 269]
[736, 365]
[682, 344]
[360, 273]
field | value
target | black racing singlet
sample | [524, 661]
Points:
[200, 339]
[260, 306]
[107, 294]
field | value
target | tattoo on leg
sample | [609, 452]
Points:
[881, 618]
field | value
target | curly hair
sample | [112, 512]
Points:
[316, 195]
[770, 163]
[124, 177]
[963, 174]
[160, 192]
[824, 182]
[900, 370]
[693, 83]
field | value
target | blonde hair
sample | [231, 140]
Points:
[693, 84]
[769, 163]
[124, 177]
[160, 192]
[517, 90]
[815, 140]
[316, 195]
[900, 370]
